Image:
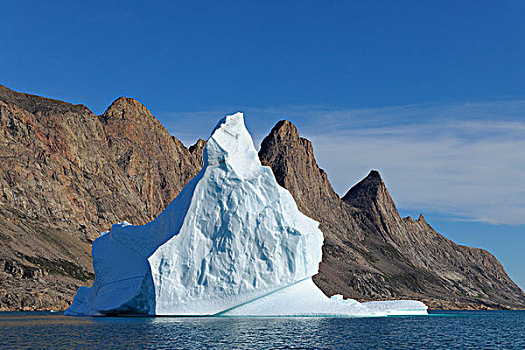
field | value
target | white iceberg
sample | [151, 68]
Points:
[232, 243]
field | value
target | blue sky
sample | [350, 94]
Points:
[431, 93]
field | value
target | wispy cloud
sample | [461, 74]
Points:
[465, 160]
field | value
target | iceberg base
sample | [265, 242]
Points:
[304, 298]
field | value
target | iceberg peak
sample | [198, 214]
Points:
[231, 145]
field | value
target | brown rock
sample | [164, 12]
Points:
[65, 176]
[197, 151]
[155, 163]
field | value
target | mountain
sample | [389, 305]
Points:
[370, 252]
[66, 175]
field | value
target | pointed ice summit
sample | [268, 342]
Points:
[231, 243]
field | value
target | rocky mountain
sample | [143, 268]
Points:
[67, 174]
[370, 252]
[155, 163]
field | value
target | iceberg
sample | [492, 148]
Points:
[232, 243]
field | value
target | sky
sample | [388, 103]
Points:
[430, 93]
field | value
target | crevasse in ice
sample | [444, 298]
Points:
[232, 243]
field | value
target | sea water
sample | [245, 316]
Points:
[439, 330]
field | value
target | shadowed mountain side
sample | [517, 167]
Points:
[370, 252]
[67, 175]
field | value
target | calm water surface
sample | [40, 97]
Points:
[441, 329]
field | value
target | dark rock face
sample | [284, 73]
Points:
[370, 252]
[65, 176]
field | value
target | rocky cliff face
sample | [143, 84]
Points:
[370, 252]
[67, 174]
[155, 163]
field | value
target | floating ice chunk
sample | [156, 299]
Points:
[231, 243]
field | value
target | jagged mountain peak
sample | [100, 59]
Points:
[285, 130]
[371, 195]
[284, 139]
[420, 219]
[128, 108]
[123, 101]
[146, 152]
[293, 163]
[200, 144]
[374, 174]
[197, 150]
[371, 187]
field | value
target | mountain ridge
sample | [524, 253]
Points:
[68, 174]
[66, 177]
[370, 252]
